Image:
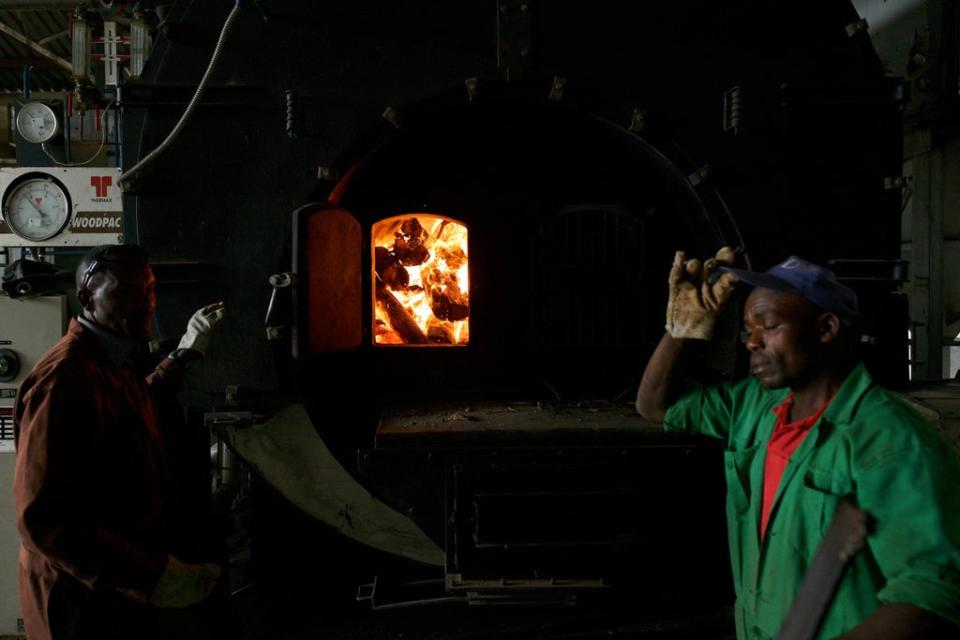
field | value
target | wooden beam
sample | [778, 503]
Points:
[53, 36]
[43, 51]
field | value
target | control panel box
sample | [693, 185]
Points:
[27, 330]
[60, 206]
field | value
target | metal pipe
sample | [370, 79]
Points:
[228, 469]
[67, 110]
[118, 128]
[224, 463]
[214, 59]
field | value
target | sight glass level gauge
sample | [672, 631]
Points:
[37, 208]
[37, 122]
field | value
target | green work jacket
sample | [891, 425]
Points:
[868, 447]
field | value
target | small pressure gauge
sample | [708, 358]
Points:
[37, 122]
[36, 208]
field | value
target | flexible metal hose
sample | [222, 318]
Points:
[191, 106]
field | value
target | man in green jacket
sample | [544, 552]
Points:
[808, 429]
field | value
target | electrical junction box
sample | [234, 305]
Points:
[60, 206]
[28, 328]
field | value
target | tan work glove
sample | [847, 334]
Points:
[694, 302]
[182, 585]
[200, 327]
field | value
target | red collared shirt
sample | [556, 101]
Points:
[786, 438]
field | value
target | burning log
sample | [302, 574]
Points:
[392, 273]
[447, 301]
[453, 257]
[400, 320]
[408, 246]
[449, 305]
[438, 331]
[384, 334]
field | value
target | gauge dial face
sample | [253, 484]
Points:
[37, 122]
[36, 209]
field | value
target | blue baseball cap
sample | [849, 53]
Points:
[817, 284]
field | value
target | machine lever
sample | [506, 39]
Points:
[273, 322]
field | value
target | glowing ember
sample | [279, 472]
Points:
[421, 284]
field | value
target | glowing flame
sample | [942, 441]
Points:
[421, 281]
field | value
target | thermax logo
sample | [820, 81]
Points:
[101, 184]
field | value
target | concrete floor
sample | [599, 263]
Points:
[305, 615]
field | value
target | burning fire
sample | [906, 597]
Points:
[421, 283]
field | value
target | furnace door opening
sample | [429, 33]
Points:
[421, 286]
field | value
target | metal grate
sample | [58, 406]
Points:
[590, 269]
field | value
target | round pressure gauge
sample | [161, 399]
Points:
[37, 208]
[37, 122]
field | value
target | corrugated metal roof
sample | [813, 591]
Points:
[47, 27]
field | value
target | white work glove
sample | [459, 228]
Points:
[182, 585]
[200, 327]
[694, 302]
